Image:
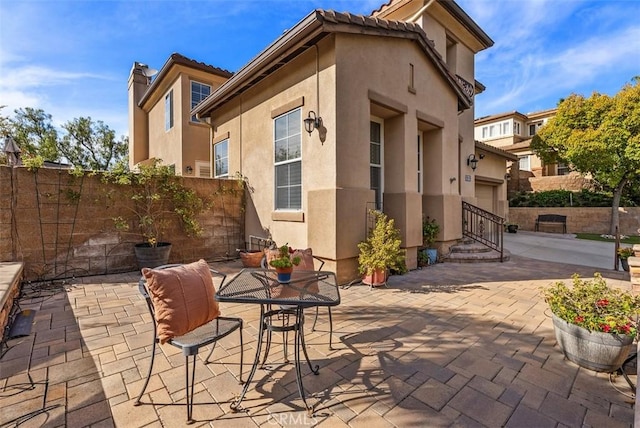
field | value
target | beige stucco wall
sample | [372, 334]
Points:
[187, 142]
[336, 171]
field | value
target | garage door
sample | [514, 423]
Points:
[485, 197]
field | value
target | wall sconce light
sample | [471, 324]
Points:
[507, 176]
[452, 179]
[472, 161]
[189, 169]
[312, 122]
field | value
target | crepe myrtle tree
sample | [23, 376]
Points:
[599, 135]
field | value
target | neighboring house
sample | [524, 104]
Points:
[388, 102]
[513, 132]
[160, 123]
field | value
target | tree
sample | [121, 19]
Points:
[92, 145]
[34, 132]
[84, 143]
[599, 135]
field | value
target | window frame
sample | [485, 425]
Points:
[528, 161]
[168, 111]
[288, 161]
[379, 194]
[215, 166]
[193, 118]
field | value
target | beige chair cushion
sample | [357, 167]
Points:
[183, 298]
[306, 258]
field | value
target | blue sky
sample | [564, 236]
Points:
[72, 58]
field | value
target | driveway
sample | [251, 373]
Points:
[561, 248]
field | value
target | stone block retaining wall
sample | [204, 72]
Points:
[61, 226]
[579, 219]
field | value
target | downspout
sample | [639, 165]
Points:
[419, 13]
[209, 122]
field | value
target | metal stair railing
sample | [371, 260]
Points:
[484, 227]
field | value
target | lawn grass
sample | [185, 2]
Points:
[633, 239]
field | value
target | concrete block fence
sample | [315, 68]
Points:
[60, 226]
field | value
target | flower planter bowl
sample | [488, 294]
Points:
[601, 352]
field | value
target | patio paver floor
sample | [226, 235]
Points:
[449, 345]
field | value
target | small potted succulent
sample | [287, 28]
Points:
[284, 263]
[595, 324]
[623, 254]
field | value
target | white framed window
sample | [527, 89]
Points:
[419, 164]
[199, 91]
[221, 159]
[516, 128]
[485, 131]
[524, 163]
[288, 160]
[492, 130]
[562, 169]
[376, 156]
[506, 128]
[168, 111]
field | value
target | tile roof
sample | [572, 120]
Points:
[308, 32]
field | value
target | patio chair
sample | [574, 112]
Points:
[308, 263]
[162, 288]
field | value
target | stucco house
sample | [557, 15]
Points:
[513, 133]
[341, 114]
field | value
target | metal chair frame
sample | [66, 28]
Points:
[191, 342]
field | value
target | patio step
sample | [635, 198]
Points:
[473, 252]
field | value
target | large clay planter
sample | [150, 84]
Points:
[251, 259]
[601, 352]
[376, 279]
[151, 257]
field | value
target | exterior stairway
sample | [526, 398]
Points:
[469, 251]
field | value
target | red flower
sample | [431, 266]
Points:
[605, 327]
[602, 302]
[579, 319]
[291, 250]
[626, 328]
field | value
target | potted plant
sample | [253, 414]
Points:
[284, 263]
[430, 230]
[511, 227]
[381, 251]
[158, 198]
[623, 254]
[594, 324]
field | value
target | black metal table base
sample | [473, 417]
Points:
[267, 326]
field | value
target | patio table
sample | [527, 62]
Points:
[261, 287]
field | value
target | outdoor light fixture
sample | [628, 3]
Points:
[189, 169]
[312, 122]
[472, 161]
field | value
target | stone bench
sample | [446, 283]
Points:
[10, 278]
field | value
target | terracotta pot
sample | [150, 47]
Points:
[284, 274]
[251, 259]
[376, 279]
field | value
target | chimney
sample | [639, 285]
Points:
[139, 81]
